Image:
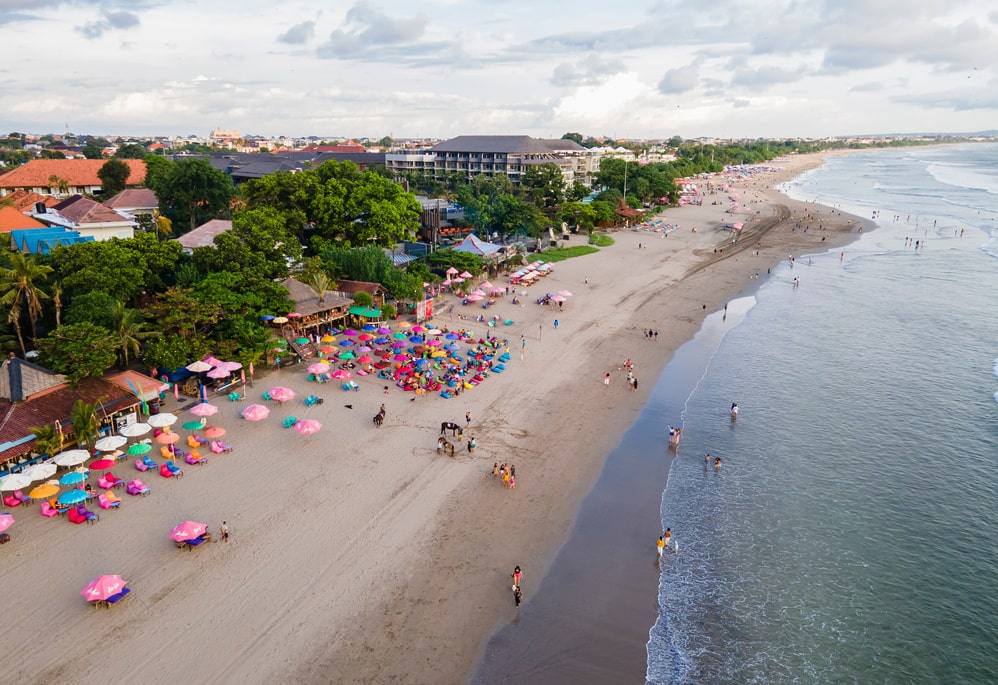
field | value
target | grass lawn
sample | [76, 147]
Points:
[600, 240]
[558, 254]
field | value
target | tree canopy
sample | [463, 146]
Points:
[113, 176]
[192, 190]
[78, 350]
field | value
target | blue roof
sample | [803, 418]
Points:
[475, 245]
[44, 240]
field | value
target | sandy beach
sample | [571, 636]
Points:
[360, 554]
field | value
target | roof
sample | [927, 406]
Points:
[11, 219]
[353, 287]
[262, 168]
[17, 419]
[82, 210]
[307, 302]
[476, 245]
[23, 200]
[565, 144]
[44, 240]
[20, 379]
[502, 144]
[76, 172]
[133, 198]
[204, 235]
[349, 147]
[147, 387]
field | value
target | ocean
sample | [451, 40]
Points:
[850, 534]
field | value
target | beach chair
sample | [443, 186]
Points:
[11, 501]
[113, 480]
[174, 469]
[193, 441]
[195, 458]
[111, 497]
[289, 422]
[105, 503]
[76, 517]
[87, 515]
[446, 395]
[220, 447]
[21, 496]
[49, 511]
[137, 487]
[104, 483]
[266, 395]
[234, 397]
[114, 599]
[166, 452]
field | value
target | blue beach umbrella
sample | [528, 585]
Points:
[452, 336]
[453, 347]
[72, 497]
[370, 327]
[347, 343]
[381, 341]
[72, 478]
[267, 317]
[417, 339]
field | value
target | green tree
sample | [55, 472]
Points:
[47, 439]
[125, 267]
[52, 154]
[14, 319]
[78, 350]
[179, 314]
[157, 167]
[131, 151]
[127, 328]
[193, 190]
[92, 307]
[86, 422]
[319, 282]
[259, 241]
[174, 352]
[544, 185]
[20, 283]
[577, 137]
[363, 299]
[92, 151]
[113, 176]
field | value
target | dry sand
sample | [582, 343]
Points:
[359, 554]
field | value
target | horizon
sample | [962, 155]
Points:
[442, 68]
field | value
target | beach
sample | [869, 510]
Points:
[360, 554]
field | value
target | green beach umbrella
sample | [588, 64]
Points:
[400, 335]
[139, 449]
[193, 425]
[347, 355]
[357, 310]
[371, 313]
[301, 341]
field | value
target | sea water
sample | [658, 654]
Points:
[851, 533]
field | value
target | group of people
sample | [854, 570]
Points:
[505, 471]
[662, 544]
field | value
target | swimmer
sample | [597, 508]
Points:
[717, 463]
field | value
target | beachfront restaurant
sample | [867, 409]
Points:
[32, 397]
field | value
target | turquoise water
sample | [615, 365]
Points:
[850, 536]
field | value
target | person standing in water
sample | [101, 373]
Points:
[660, 545]
[668, 537]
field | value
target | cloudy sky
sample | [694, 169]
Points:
[440, 68]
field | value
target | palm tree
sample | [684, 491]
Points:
[47, 441]
[14, 317]
[126, 327]
[85, 421]
[19, 283]
[57, 301]
[319, 282]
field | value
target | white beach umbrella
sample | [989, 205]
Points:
[161, 420]
[14, 481]
[72, 457]
[39, 471]
[110, 443]
[134, 430]
[199, 367]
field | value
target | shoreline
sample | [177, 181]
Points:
[359, 554]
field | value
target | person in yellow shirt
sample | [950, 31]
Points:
[661, 546]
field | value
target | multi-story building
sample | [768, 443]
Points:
[510, 156]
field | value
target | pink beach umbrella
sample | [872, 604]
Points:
[204, 409]
[103, 464]
[451, 271]
[558, 298]
[457, 280]
[167, 438]
[418, 329]
[341, 374]
[102, 587]
[308, 426]
[212, 432]
[219, 372]
[365, 359]
[318, 368]
[188, 530]
[401, 357]
[475, 298]
[564, 293]
[281, 394]
[485, 286]
[365, 337]
[498, 291]
[447, 282]
[255, 412]
[6, 521]
[464, 274]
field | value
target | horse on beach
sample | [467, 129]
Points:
[379, 419]
[456, 430]
[448, 447]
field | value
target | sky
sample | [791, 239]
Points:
[441, 68]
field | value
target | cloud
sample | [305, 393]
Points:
[111, 20]
[740, 102]
[765, 76]
[680, 79]
[868, 87]
[298, 34]
[592, 71]
[367, 29]
[956, 100]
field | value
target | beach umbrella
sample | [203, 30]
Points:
[564, 293]
[110, 443]
[162, 420]
[73, 457]
[167, 438]
[219, 372]
[557, 298]
[475, 298]
[193, 425]
[102, 587]
[365, 359]
[14, 481]
[72, 497]
[6, 521]
[328, 350]
[281, 394]
[200, 366]
[293, 315]
[212, 432]
[452, 336]
[302, 341]
[417, 340]
[72, 478]
[464, 274]
[498, 291]
[485, 285]
[370, 327]
[418, 329]
[308, 426]
[384, 330]
[347, 343]
[365, 337]
[351, 332]
[453, 347]
[103, 464]
[447, 282]
[188, 530]
[44, 491]
[404, 324]
[435, 331]
[347, 355]
[39, 471]
[451, 270]
[341, 374]
[139, 448]
[457, 280]
[479, 292]
[280, 319]
[327, 338]
[204, 409]
[134, 430]
[255, 412]
[399, 345]
[401, 357]
[399, 336]
[319, 368]
[267, 317]
[364, 348]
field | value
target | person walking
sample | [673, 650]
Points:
[495, 470]
[556, 324]
[467, 419]
[472, 445]
[606, 379]
[223, 531]
[660, 544]
[517, 576]
[517, 596]
[667, 538]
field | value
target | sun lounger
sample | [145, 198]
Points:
[90, 515]
[289, 422]
[105, 503]
[195, 542]
[21, 496]
[11, 501]
[234, 397]
[137, 487]
[111, 497]
[49, 511]
[193, 441]
[219, 447]
[446, 395]
[174, 469]
[104, 483]
[114, 481]
[195, 458]
[76, 517]
[114, 599]
[266, 395]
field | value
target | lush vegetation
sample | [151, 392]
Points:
[601, 240]
[559, 254]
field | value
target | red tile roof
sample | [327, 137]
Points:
[12, 219]
[133, 198]
[76, 172]
[83, 210]
[24, 200]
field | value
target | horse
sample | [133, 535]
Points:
[456, 430]
[442, 444]
[379, 419]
